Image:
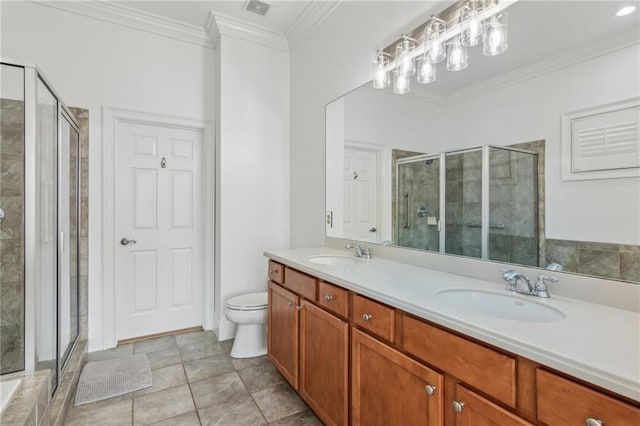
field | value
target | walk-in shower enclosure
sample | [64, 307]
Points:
[39, 217]
[480, 202]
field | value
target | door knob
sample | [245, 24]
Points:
[125, 241]
[373, 229]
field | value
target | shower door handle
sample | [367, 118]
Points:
[125, 241]
[406, 199]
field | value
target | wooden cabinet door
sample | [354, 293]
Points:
[324, 364]
[389, 388]
[283, 330]
[474, 410]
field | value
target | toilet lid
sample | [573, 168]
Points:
[249, 301]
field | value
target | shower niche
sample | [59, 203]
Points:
[480, 202]
[39, 197]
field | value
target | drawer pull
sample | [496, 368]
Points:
[430, 389]
[328, 298]
[457, 406]
[299, 308]
[367, 317]
[273, 271]
[593, 422]
[290, 304]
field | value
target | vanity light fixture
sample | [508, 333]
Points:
[434, 50]
[626, 11]
[405, 65]
[473, 23]
[380, 71]
[472, 28]
[458, 57]
[495, 39]
[401, 84]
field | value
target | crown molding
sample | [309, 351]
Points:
[584, 53]
[311, 17]
[219, 24]
[133, 18]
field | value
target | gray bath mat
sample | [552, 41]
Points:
[104, 379]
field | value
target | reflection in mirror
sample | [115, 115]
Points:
[531, 157]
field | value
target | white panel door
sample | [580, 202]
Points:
[360, 194]
[159, 273]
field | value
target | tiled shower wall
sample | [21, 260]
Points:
[12, 236]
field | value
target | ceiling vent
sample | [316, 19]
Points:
[257, 7]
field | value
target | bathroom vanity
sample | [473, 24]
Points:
[375, 342]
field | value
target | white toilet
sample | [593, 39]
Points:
[249, 313]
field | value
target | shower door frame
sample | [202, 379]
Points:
[485, 187]
[31, 76]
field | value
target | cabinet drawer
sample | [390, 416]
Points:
[485, 369]
[472, 409]
[300, 283]
[333, 298]
[276, 272]
[564, 402]
[374, 317]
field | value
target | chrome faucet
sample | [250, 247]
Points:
[513, 278]
[539, 289]
[364, 253]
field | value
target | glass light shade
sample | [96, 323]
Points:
[401, 84]
[436, 52]
[471, 28]
[434, 46]
[426, 71]
[380, 74]
[405, 65]
[495, 35]
[458, 57]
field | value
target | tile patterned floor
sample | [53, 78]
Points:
[196, 382]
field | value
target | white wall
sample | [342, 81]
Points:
[252, 163]
[92, 63]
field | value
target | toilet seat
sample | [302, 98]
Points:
[248, 302]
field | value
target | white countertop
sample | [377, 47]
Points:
[597, 343]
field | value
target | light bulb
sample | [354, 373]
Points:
[495, 37]
[471, 28]
[400, 84]
[458, 58]
[380, 73]
[405, 66]
[435, 51]
[434, 46]
[426, 71]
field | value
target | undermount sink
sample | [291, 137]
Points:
[499, 305]
[334, 260]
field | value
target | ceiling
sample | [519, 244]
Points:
[280, 18]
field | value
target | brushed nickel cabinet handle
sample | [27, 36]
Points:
[458, 406]
[290, 304]
[328, 298]
[430, 389]
[593, 422]
[367, 317]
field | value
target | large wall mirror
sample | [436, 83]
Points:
[530, 157]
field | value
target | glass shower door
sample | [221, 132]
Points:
[68, 254]
[463, 181]
[513, 204]
[45, 259]
[418, 203]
